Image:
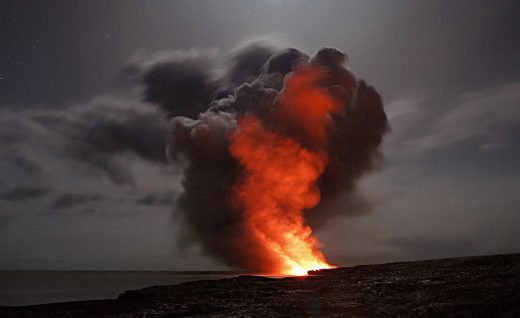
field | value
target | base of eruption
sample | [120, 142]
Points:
[301, 271]
[485, 286]
[298, 271]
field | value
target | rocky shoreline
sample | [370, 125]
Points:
[482, 286]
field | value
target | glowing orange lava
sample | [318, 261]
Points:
[280, 175]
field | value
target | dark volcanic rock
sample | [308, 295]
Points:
[486, 286]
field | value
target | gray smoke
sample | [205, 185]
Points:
[206, 110]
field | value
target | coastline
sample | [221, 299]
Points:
[468, 286]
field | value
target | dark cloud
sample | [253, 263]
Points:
[98, 135]
[338, 204]
[181, 83]
[184, 83]
[71, 200]
[245, 63]
[156, 200]
[22, 193]
[210, 172]
[284, 61]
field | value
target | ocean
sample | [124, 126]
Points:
[19, 288]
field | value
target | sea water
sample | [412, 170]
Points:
[39, 287]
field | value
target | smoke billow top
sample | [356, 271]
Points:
[265, 143]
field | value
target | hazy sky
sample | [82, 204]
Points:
[448, 71]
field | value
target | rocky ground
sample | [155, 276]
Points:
[484, 286]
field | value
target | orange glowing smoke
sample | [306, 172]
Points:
[282, 166]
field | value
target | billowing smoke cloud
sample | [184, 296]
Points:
[182, 83]
[98, 135]
[253, 84]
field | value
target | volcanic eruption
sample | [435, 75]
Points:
[282, 132]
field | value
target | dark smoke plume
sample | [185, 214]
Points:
[252, 83]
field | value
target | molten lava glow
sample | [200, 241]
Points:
[279, 185]
[280, 176]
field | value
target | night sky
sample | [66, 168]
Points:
[82, 188]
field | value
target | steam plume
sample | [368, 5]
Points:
[270, 96]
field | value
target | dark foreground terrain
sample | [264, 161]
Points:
[484, 286]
